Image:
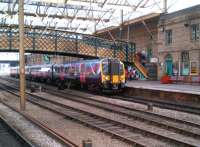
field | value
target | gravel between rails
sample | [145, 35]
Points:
[32, 132]
[165, 112]
[120, 118]
[72, 130]
[140, 138]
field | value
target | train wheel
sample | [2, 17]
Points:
[68, 84]
[60, 84]
[82, 86]
[48, 81]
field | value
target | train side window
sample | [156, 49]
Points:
[56, 69]
[66, 69]
[77, 69]
[96, 68]
[88, 68]
[61, 69]
[82, 68]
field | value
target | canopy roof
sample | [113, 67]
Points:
[83, 16]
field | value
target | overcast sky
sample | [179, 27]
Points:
[181, 4]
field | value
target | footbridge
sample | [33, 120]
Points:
[59, 42]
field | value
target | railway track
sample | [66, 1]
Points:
[123, 130]
[156, 103]
[10, 137]
[161, 104]
[40, 124]
[130, 112]
[43, 126]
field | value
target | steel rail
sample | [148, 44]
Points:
[169, 138]
[42, 125]
[13, 132]
[51, 90]
[149, 116]
[79, 120]
[160, 104]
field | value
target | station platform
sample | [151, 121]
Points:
[156, 85]
[180, 93]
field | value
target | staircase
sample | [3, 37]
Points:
[143, 73]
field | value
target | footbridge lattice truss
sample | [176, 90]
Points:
[51, 41]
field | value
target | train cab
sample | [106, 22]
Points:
[113, 74]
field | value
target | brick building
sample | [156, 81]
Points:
[142, 31]
[179, 42]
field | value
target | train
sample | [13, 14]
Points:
[104, 74]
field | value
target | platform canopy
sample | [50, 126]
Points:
[83, 16]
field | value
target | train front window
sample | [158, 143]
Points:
[105, 68]
[114, 68]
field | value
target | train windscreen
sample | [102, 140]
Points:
[112, 67]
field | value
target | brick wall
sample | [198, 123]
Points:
[180, 24]
[137, 34]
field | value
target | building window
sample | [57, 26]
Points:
[185, 63]
[195, 31]
[168, 37]
[149, 53]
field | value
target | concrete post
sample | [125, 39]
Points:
[164, 6]
[21, 55]
[150, 106]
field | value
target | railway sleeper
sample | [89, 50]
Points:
[122, 131]
[140, 131]
[102, 129]
[89, 120]
[106, 126]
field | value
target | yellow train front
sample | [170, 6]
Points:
[112, 74]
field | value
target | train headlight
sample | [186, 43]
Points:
[122, 79]
[106, 78]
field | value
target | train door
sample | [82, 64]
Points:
[82, 74]
[61, 74]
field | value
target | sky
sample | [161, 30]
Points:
[173, 5]
[181, 4]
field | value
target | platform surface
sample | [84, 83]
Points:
[156, 85]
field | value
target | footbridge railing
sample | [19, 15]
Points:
[51, 41]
